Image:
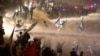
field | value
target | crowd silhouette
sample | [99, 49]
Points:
[23, 47]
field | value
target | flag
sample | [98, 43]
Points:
[59, 23]
[30, 28]
[11, 36]
[77, 50]
[91, 51]
[58, 20]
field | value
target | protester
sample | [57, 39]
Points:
[7, 51]
[81, 26]
[1, 31]
[1, 37]
[25, 14]
[53, 52]
[24, 39]
[31, 11]
[16, 49]
[38, 42]
[47, 52]
[31, 50]
[81, 53]
[59, 49]
[73, 52]
[1, 50]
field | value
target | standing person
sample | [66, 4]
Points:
[31, 11]
[73, 52]
[1, 31]
[31, 49]
[47, 52]
[16, 50]
[59, 49]
[25, 38]
[38, 42]
[31, 6]
[25, 14]
[81, 26]
[7, 51]
[1, 37]
[53, 52]
[81, 53]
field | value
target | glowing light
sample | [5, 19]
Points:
[9, 14]
[95, 4]
[76, 7]
[25, 4]
[63, 9]
[8, 26]
[16, 10]
[91, 6]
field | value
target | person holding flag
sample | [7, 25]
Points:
[24, 39]
[25, 36]
[81, 26]
[59, 23]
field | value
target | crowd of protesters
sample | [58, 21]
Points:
[23, 47]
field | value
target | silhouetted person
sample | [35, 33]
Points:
[1, 50]
[47, 52]
[25, 14]
[38, 43]
[81, 26]
[81, 53]
[7, 50]
[31, 11]
[14, 48]
[1, 37]
[1, 31]
[59, 49]
[54, 53]
[30, 50]
[24, 39]
[73, 52]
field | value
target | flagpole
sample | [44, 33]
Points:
[11, 36]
